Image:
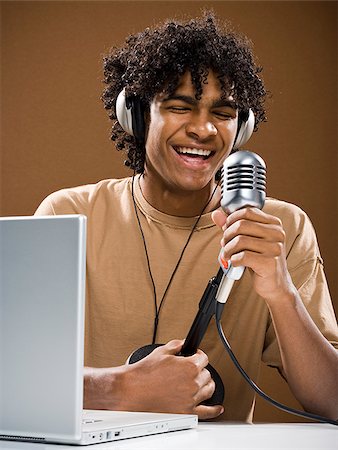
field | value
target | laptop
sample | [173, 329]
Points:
[42, 298]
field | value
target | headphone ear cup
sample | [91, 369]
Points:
[245, 131]
[130, 115]
[124, 114]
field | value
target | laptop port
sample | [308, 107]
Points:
[109, 434]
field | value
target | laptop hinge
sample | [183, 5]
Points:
[22, 438]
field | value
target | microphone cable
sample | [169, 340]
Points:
[157, 306]
[218, 314]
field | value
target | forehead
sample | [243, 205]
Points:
[211, 88]
[211, 84]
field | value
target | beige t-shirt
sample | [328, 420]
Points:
[120, 301]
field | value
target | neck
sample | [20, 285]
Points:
[182, 203]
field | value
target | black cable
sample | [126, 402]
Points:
[218, 314]
[177, 264]
[206, 309]
[158, 308]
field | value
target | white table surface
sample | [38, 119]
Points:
[217, 436]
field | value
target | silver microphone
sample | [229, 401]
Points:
[243, 185]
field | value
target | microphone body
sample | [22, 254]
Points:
[243, 185]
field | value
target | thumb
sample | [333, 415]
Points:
[219, 217]
[208, 412]
[171, 348]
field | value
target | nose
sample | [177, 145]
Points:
[201, 127]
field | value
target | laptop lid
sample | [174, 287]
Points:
[42, 292]
[42, 297]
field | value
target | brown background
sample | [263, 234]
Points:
[55, 132]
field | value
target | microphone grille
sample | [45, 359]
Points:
[243, 181]
[245, 176]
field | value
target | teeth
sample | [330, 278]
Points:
[193, 151]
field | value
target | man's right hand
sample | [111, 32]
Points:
[161, 382]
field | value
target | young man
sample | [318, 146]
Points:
[154, 238]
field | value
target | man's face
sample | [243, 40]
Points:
[188, 139]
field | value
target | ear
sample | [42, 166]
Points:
[246, 128]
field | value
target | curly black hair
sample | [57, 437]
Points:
[153, 61]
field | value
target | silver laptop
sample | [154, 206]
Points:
[42, 297]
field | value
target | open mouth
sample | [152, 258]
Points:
[194, 152]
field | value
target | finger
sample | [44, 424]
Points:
[208, 412]
[219, 217]
[200, 359]
[238, 246]
[272, 232]
[205, 391]
[262, 265]
[252, 214]
[205, 378]
[268, 232]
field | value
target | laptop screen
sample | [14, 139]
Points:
[42, 293]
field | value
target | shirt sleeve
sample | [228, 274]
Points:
[306, 268]
[65, 201]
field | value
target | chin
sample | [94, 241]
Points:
[194, 183]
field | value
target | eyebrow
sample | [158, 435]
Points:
[193, 101]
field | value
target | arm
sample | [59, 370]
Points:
[161, 382]
[310, 364]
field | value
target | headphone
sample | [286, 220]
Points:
[130, 115]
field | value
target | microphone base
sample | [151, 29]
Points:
[217, 397]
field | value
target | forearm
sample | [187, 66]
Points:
[104, 388]
[161, 382]
[310, 363]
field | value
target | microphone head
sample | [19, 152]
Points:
[243, 181]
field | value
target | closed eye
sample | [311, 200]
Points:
[225, 115]
[178, 109]
[179, 103]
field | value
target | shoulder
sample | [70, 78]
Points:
[292, 216]
[301, 239]
[80, 199]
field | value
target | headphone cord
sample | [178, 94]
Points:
[158, 308]
[218, 314]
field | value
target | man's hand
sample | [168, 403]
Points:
[161, 382]
[256, 240]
